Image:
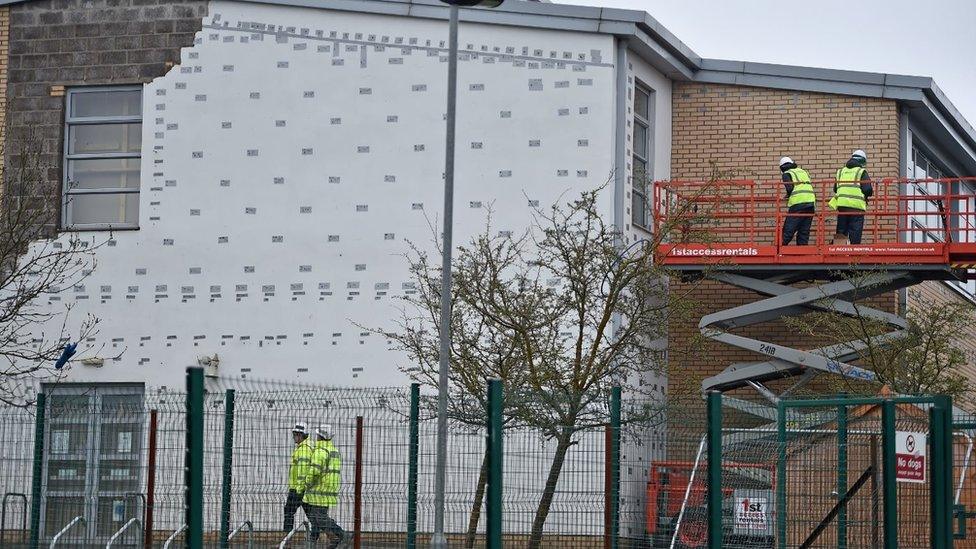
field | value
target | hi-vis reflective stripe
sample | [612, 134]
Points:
[318, 493]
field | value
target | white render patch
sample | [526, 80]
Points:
[296, 159]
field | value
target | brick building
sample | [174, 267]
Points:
[743, 129]
[256, 169]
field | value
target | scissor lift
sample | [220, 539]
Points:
[729, 231]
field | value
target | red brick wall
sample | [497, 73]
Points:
[746, 130]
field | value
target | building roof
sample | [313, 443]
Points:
[927, 104]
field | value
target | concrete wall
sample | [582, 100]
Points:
[288, 160]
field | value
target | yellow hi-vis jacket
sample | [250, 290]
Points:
[849, 193]
[301, 466]
[802, 188]
[323, 489]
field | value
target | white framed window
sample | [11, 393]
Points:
[927, 212]
[102, 157]
[640, 213]
[929, 215]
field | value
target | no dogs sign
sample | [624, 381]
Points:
[910, 456]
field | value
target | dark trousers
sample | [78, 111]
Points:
[321, 521]
[850, 223]
[798, 225]
[292, 504]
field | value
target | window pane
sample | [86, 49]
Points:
[640, 139]
[638, 210]
[641, 100]
[103, 208]
[106, 103]
[640, 173]
[104, 173]
[102, 138]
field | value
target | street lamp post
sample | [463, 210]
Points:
[438, 540]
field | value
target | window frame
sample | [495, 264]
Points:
[932, 162]
[645, 156]
[67, 157]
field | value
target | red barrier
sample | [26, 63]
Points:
[907, 221]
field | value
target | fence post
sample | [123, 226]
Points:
[413, 450]
[357, 517]
[842, 475]
[937, 471]
[493, 525]
[607, 483]
[194, 458]
[945, 403]
[36, 479]
[151, 478]
[948, 460]
[781, 474]
[228, 468]
[614, 467]
[889, 487]
[714, 470]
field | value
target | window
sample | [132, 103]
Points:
[929, 215]
[640, 208]
[103, 149]
[94, 458]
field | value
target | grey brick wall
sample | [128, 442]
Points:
[80, 43]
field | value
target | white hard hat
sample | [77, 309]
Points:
[859, 153]
[785, 160]
[300, 428]
[324, 431]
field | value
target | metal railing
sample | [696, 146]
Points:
[174, 535]
[122, 530]
[308, 535]
[250, 533]
[3, 514]
[57, 537]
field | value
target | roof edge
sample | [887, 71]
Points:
[916, 91]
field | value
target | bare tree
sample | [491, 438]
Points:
[560, 313]
[35, 265]
[925, 360]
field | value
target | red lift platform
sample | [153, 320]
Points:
[730, 231]
[739, 222]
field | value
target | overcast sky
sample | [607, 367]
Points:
[934, 38]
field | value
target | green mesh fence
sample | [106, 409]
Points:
[114, 456]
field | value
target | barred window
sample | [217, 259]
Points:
[102, 157]
[640, 161]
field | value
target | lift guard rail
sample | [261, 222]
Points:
[913, 221]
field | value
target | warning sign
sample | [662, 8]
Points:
[750, 513]
[910, 456]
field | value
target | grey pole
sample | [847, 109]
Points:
[438, 540]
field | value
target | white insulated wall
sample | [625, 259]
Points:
[290, 158]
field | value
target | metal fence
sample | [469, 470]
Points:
[94, 465]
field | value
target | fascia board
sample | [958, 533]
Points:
[659, 57]
[663, 36]
[790, 83]
[949, 132]
[937, 97]
[812, 73]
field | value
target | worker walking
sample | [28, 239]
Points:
[298, 473]
[851, 192]
[322, 490]
[800, 202]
